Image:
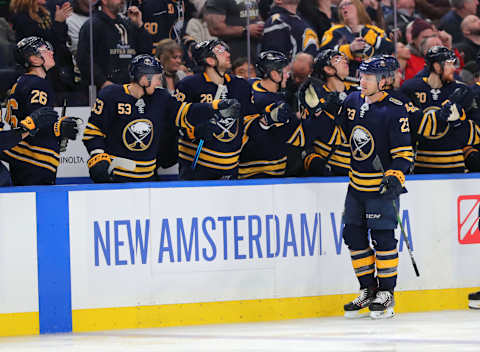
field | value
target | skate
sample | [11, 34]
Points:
[352, 309]
[382, 306]
[474, 300]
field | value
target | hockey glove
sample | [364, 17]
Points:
[472, 158]
[315, 165]
[38, 119]
[98, 166]
[67, 127]
[308, 98]
[277, 113]
[332, 104]
[392, 183]
[227, 108]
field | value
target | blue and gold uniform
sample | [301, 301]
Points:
[379, 129]
[325, 139]
[220, 154]
[440, 146]
[35, 159]
[289, 34]
[136, 129]
[265, 155]
[340, 36]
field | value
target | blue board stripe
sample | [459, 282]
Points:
[53, 250]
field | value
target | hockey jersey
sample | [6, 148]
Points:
[219, 155]
[34, 161]
[163, 19]
[340, 36]
[141, 130]
[289, 33]
[375, 129]
[326, 140]
[439, 146]
[265, 154]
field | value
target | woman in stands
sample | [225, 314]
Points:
[169, 53]
[355, 36]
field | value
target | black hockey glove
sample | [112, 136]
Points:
[98, 166]
[206, 130]
[38, 119]
[450, 113]
[277, 113]
[227, 109]
[67, 127]
[332, 104]
[315, 165]
[472, 158]
[308, 97]
[391, 184]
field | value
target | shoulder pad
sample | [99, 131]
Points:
[460, 82]
[395, 101]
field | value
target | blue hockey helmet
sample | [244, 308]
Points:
[144, 64]
[270, 60]
[204, 49]
[29, 46]
[375, 66]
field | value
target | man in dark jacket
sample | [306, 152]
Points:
[115, 42]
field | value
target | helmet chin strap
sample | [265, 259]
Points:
[269, 76]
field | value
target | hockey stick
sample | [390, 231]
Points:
[377, 165]
[124, 163]
[197, 153]
[64, 140]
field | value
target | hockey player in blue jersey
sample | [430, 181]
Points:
[327, 152]
[132, 126]
[266, 155]
[376, 126]
[445, 135]
[34, 161]
[218, 156]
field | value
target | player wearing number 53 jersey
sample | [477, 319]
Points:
[35, 160]
[377, 128]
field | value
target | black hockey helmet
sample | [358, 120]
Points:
[144, 64]
[270, 60]
[29, 46]
[322, 60]
[439, 54]
[204, 49]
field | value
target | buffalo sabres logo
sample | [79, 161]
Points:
[361, 143]
[228, 129]
[138, 135]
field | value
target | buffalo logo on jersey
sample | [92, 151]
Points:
[228, 129]
[361, 143]
[138, 135]
[429, 115]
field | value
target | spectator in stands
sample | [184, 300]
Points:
[227, 20]
[76, 20]
[451, 22]
[32, 18]
[169, 53]
[403, 55]
[318, 13]
[420, 30]
[240, 68]
[197, 28]
[7, 44]
[471, 43]
[163, 18]
[405, 15]
[286, 31]
[356, 37]
[115, 43]
[432, 9]
[300, 69]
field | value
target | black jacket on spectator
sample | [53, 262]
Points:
[115, 43]
[470, 50]
[402, 21]
[316, 18]
[451, 23]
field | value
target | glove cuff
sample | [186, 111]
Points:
[98, 158]
[215, 104]
[28, 124]
[398, 174]
[468, 150]
[56, 126]
[307, 162]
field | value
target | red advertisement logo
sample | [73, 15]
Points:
[468, 213]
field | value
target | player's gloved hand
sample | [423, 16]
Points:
[98, 166]
[277, 113]
[332, 104]
[308, 98]
[392, 183]
[227, 108]
[38, 119]
[206, 130]
[67, 127]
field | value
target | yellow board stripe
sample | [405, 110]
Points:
[14, 324]
[256, 310]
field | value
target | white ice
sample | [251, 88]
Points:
[435, 331]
